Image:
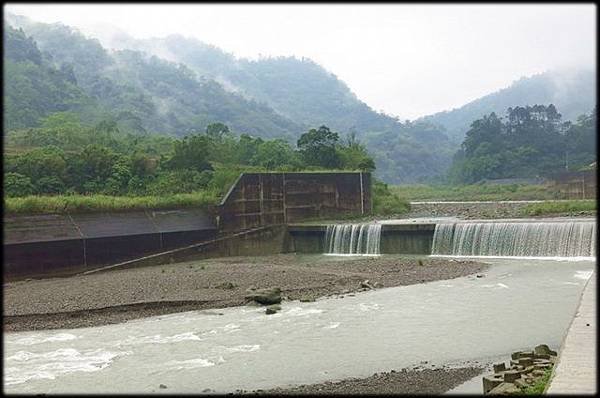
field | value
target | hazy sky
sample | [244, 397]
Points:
[406, 60]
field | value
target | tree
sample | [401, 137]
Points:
[191, 153]
[217, 130]
[274, 154]
[16, 184]
[354, 156]
[318, 148]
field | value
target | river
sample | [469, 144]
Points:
[517, 304]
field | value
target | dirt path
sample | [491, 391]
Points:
[120, 295]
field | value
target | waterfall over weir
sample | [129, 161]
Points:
[516, 239]
[353, 239]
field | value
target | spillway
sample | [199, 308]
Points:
[516, 239]
[353, 239]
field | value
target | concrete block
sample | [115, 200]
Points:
[525, 354]
[499, 367]
[543, 349]
[541, 356]
[528, 369]
[525, 362]
[538, 372]
[505, 389]
[521, 383]
[515, 355]
[511, 375]
[489, 382]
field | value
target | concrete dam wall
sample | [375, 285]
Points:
[65, 243]
[62, 244]
[394, 238]
[261, 199]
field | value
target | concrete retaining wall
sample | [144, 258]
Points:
[56, 244]
[253, 242]
[259, 199]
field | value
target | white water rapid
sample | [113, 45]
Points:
[353, 239]
[516, 239]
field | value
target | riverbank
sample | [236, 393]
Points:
[416, 380]
[120, 295]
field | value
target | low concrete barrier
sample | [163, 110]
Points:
[395, 238]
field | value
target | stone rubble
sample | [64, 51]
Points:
[525, 368]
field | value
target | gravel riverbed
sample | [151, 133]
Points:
[479, 210]
[417, 380]
[119, 295]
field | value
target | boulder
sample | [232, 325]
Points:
[265, 296]
[272, 309]
[366, 284]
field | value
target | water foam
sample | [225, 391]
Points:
[38, 339]
[189, 364]
[50, 365]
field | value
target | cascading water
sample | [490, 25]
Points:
[516, 239]
[353, 239]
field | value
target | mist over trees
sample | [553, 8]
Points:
[58, 80]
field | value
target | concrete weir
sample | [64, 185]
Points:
[395, 238]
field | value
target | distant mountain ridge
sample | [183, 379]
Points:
[178, 85]
[573, 92]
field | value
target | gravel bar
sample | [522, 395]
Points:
[430, 381]
[120, 295]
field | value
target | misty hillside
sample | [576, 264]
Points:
[177, 86]
[572, 92]
[174, 89]
[142, 92]
[299, 89]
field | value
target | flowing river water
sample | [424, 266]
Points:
[517, 304]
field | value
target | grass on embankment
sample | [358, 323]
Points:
[480, 192]
[539, 386]
[563, 207]
[97, 203]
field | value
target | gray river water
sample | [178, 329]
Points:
[516, 305]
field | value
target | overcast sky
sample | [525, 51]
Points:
[405, 60]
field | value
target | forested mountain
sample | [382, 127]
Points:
[531, 141]
[573, 92]
[33, 88]
[178, 86]
[144, 93]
